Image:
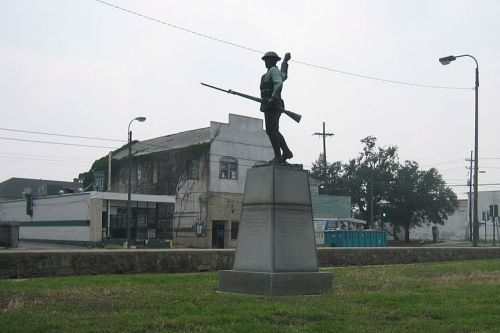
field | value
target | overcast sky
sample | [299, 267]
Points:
[84, 68]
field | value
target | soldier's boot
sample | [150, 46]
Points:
[287, 155]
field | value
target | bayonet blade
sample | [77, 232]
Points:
[207, 85]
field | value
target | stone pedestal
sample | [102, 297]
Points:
[276, 252]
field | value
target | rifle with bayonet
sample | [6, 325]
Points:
[293, 115]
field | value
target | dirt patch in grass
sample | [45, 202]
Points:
[473, 277]
[16, 302]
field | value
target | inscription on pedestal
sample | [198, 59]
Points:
[256, 218]
[292, 221]
[294, 241]
[254, 239]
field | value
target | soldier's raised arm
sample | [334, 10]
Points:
[284, 66]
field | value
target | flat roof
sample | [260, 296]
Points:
[108, 196]
[134, 197]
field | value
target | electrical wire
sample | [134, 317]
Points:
[62, 135]
[76, 158]
[46, 162]
[426, 165]
[20, 158]
[295, 61]
[57, 143]
[380, 79]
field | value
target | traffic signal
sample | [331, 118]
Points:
[384, 216]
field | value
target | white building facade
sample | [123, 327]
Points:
[457, 226]
[87, 218]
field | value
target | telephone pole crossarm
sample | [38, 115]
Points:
[324, 135]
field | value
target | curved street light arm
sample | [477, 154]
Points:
[128, 129]
[140, 119]
[468, 55]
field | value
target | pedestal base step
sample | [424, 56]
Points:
[275, 284]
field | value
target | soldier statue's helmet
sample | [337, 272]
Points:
[271, 54]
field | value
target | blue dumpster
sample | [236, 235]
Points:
[350, 238]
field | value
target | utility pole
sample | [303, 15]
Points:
[371, 202]
[110, 157]
[324, 135]
[470, 196]
[494, 220]
[485, 231]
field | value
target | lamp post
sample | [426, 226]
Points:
[475, 225]
[140, 119]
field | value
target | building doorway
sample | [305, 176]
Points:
[218, 234]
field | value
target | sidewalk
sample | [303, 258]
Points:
[48, 246]
[441, 243]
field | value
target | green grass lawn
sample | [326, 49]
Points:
[461, 296]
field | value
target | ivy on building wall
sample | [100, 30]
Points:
[171, 166]
[169, 172]
[102, 165]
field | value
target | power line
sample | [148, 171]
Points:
[62, 135]
[57, 143]
[179, 27]
[108, 147]
[73, 158]
[453, 169]
[426, 165]
[21, 158]
[380, 79]
[295, 61]
[44, 162]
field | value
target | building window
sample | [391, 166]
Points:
[234, 229]
[193, 169]
[155, 173]
[228, 168]
[139, 174]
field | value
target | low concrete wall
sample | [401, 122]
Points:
[330, 257]
[26, 264]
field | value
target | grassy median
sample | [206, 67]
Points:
[462, 296]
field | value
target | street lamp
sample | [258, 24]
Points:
[475, 227]
[140, 119]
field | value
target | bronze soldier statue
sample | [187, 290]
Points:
[272, 105]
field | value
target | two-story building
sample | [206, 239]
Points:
[205, 169]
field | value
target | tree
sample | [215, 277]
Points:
[362, 178]
[331, 177]
[377, 183]
[365, 178]
[418, 197]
